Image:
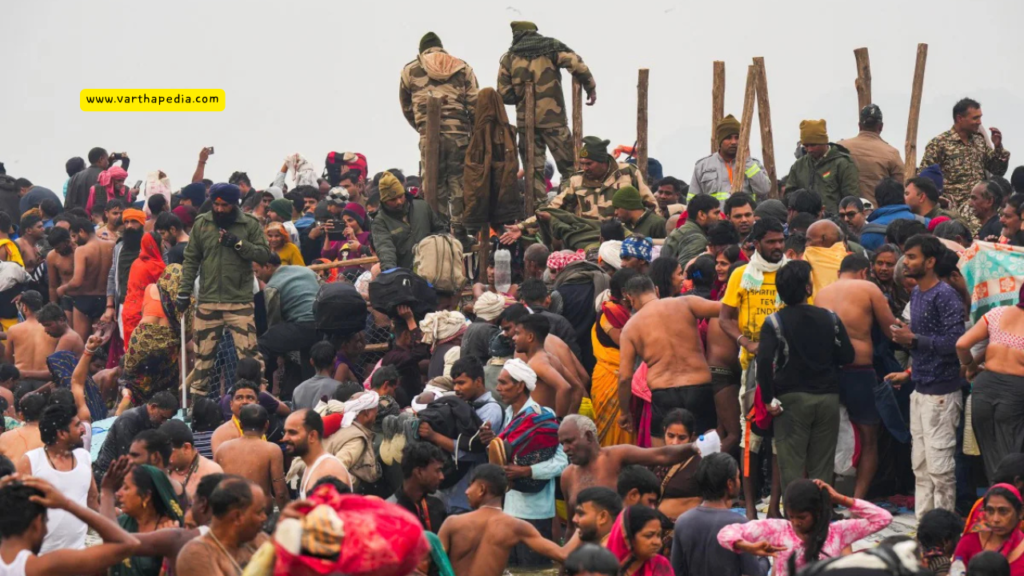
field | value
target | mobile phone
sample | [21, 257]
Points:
[209, 149]
[337, 230]
[137, 184]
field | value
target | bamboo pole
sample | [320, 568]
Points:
[433, 152]
[863, 82]
[344, 263]
[577, 121]
[915, 112]
[528, 167]
[748, 118]
[717, 100]
[764, 115]
[641, 122]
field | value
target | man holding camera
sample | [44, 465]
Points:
[80, 183]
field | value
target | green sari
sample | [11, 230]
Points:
[164, 492]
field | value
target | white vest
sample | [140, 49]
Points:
[16, 568]
[63, 529]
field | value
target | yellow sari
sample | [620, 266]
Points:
[604, 388]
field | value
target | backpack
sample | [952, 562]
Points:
[438, 258]
[339, 309]
[399, 286]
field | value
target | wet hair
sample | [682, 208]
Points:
[702, 271]
[49, 208]
[592, 559]
[248, 369]
[207, 484]
[898, 231]
[939, 526]
[700, 203]
[963, 105]
[206, 415]
[852, 201]
[156, 441]
[96, 154]
[55, 418]
[738, 200]
[347, 390]
[322, 354]
[713, 474]
[1010, 469]
[620, 279]
[390, 373]
[804, 496]
[177, 432]
[602, 497]
[662, 270]
[493, 476]
[312, 422]
[997, 491]
[32, 300]
[854, 263]
[6, 466]
[63, 397]
[639, 516]
[638, 285]
[57, 235]
[927, 187]
[469, 366]
[988, 563]
[51, 313]
[763, 226]
[889, 192]
[19, 509]
[77, 225]
[514, 314]
[679, 416]
[419, 455]
[253, 418]
[334, 481]
[613, 230]
[164, 400]
[157, 203]
[537, 325]
[232, 493]
[146, 487]
[805, 201]
[723, 234]
[167, 220]
[532, 291]
[797, 241]
[638, 477]
[792, 280]
[29, 403]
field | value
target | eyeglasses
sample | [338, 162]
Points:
[848, 215]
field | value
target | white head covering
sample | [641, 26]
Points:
[521, 372]
[489, 306]
[275, 191]
[438, 326]
[364, 401]
[609, 253]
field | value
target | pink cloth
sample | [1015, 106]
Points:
[970, 546]
[641, 406]
[559, 260]
[619, 544]
[105, 182]
[868, 520]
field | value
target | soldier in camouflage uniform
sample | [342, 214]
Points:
[538, 59]
[436, 73]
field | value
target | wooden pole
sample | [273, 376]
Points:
[915, 112]
[641, 122]
[717, 100]
[433, 153]
[863, 82]
[748, 119]
[764, 116]
[483, 252]
[577, 120]
[344, 263]
[528, 161]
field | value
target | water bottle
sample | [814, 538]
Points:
[709, 443]
[502, 271]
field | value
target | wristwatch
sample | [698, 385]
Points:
[238, 245]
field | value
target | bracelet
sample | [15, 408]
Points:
[738, 338]
[90, 352]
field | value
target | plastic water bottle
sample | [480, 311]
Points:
[502, 271]
[709, 443]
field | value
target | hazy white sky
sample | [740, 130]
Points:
[315, 76]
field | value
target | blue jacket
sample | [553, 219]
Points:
[873, 234]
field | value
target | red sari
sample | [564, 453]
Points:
[619, 543]
[145, 270]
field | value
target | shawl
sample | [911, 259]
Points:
[976, 518]
[162, 490]
[144, 271]
[302, 170]
[620, 544]
[491, 194]
[616, 314]
[753, 273]
[62, 365]
[530, 438]
[825, 263]
[530, 44]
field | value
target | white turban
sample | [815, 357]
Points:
[489, 306]
[609, 253]
[364, 401]
[275, 191]
[521, 372]
[440, 326]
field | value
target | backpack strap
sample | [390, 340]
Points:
[782, 354]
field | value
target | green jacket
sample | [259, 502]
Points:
[834, 177]
[650, 225]
[395, 238]
[225, 273]
[685, 243]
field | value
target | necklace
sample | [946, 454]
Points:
[50, 460]
[238, 568]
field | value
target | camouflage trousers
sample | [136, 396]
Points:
[934, 419]
[559, 141]
[211, 320]
[449, 178]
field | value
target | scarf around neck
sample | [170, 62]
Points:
[753, 274]
[531, 44]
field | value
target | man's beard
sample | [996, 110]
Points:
[588, 534]
[398, 212]
[225, 220]
[299, 449]
[132, 238]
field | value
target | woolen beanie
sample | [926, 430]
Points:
[430, 40]
[813, 132]
[726, 127]
[627, 198]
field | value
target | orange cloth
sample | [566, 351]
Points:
[151, 304]
[145, 271]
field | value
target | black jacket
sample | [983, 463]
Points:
[119, 438]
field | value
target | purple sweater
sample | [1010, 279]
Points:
[937, 319]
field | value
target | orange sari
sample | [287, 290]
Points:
[604, 386]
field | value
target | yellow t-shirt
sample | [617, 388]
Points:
[753, 307]
[291, 255]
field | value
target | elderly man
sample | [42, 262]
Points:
[636, 253]
[875, 158]
[964, 156]
[635, 217]
[714, 174]
[436, 73]
[401, 223]
[826, 168]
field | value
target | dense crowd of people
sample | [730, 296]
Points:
[314, 378]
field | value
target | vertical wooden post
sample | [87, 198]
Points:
[577, 121]
[641, 122]
[717, 100]
[528, 167]
[433, 154]
[915, 112]
[863, 82]
[748, 119]
[483, 252]
[764, 115]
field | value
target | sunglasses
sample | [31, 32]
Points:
[848, 215]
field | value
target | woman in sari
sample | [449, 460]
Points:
[679, 489]
[1003, 512]
[612, 315]
[636, 539]
[883, 274]
[151, 362]
[145, 271]
[281, 243]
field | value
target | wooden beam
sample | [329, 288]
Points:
[717, 100]
[863, 82]
[748, 119]
[764, 116]
[641, 122]
[915, 112]
[577, 120]
[344, 263]
[528, 161]
[431, 157]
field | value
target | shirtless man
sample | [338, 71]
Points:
[28, 344]
[676, 380]
[60, 267]
[303, 437]
[724, 362]
[478, 543]
[29, 408]
[553, 390]
[861, 305]
[253, 457]
[9, 376]
[55, 323]
[186, 465]
[246, 392]
[564, 360]
[88, 284]
[592, 465]
[236, 532]
[31, 234]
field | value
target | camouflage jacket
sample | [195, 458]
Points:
[593, 199]
[437, 73]
[544, 71]
[964, 165]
